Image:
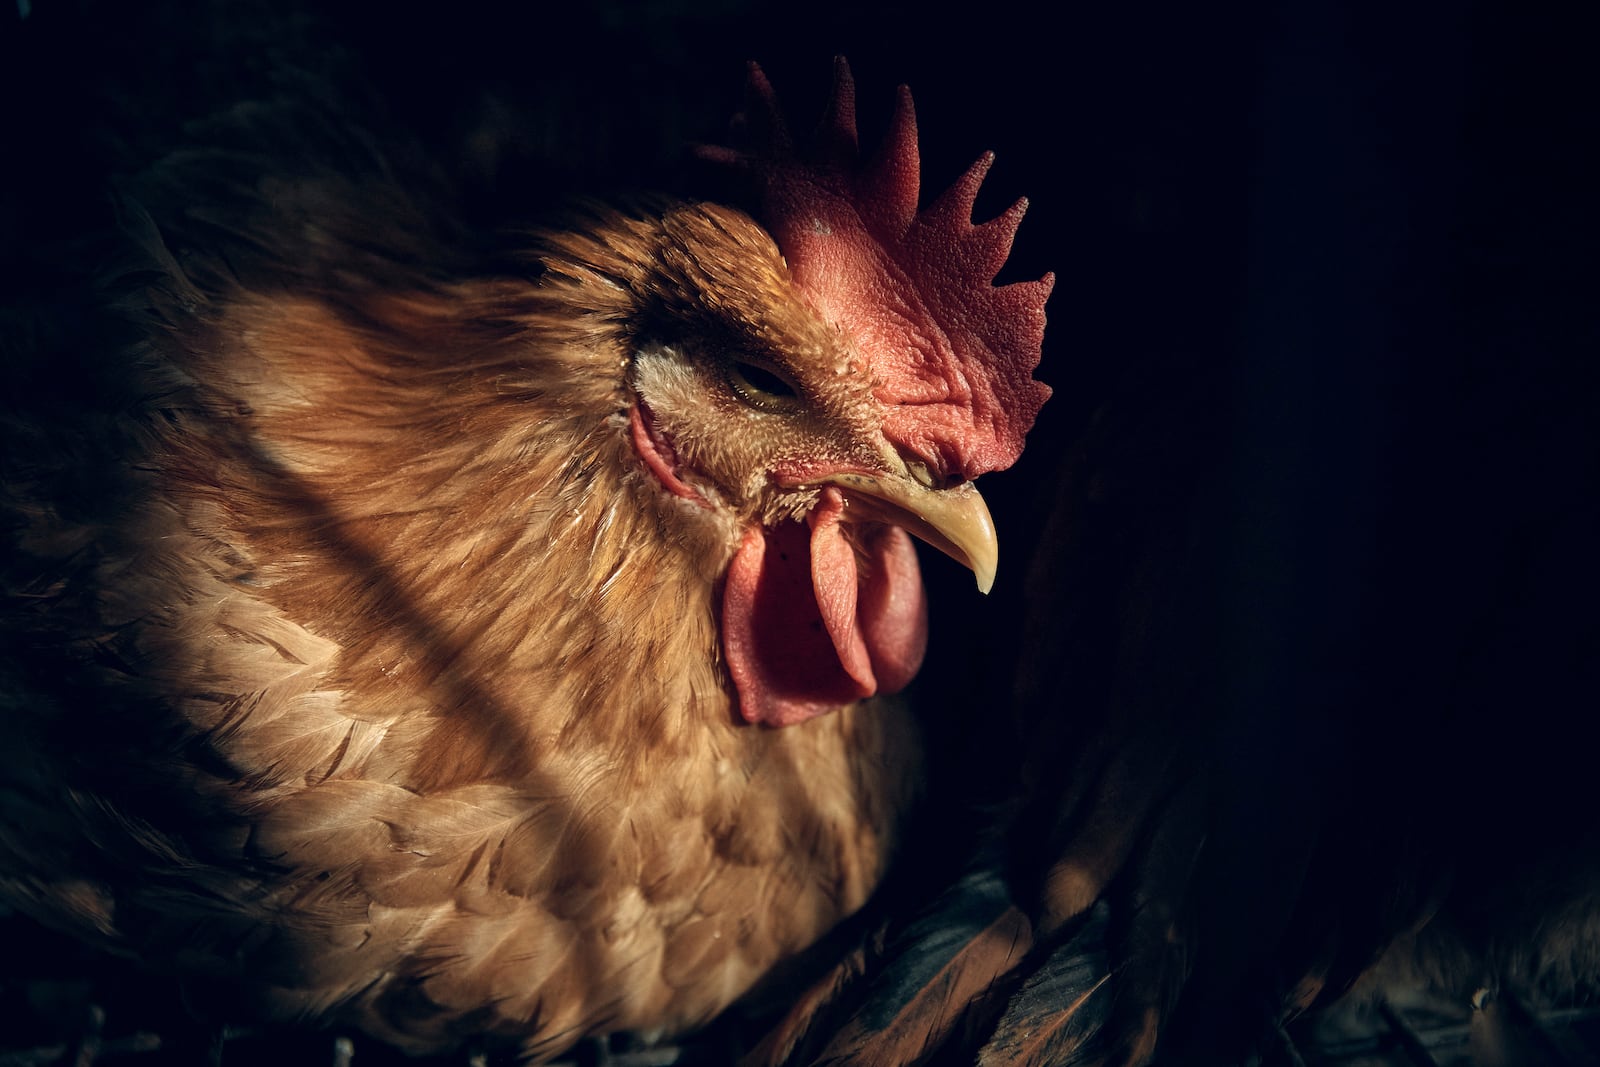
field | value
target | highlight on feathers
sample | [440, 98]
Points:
[370, 664]
[952, 355]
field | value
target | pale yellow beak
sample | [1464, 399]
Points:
[955, 521]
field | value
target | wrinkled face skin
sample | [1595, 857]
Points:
[747, 429]
[754, 392]
[743, 401]
[761, 398]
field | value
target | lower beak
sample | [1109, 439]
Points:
[955, 521]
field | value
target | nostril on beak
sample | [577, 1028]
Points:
[921, 473]
[928, 472]
[932, 464]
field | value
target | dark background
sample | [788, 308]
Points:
[1323, 345]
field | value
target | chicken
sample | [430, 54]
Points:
[453, 651]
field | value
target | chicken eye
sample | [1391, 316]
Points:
[760, 387]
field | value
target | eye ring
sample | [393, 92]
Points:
[761, 387]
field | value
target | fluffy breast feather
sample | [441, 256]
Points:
[360, 664]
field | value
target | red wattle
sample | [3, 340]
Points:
[893, 610]
[806, 629]
[833, 581]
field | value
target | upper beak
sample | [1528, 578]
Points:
[955, 521]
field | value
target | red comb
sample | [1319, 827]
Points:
[952, 354]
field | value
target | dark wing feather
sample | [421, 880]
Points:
[938, 968]
[1062, 1014]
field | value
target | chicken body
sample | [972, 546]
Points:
[359, 658]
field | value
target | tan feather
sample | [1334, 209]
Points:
[366, 666]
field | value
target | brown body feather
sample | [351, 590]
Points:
[358, 661]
